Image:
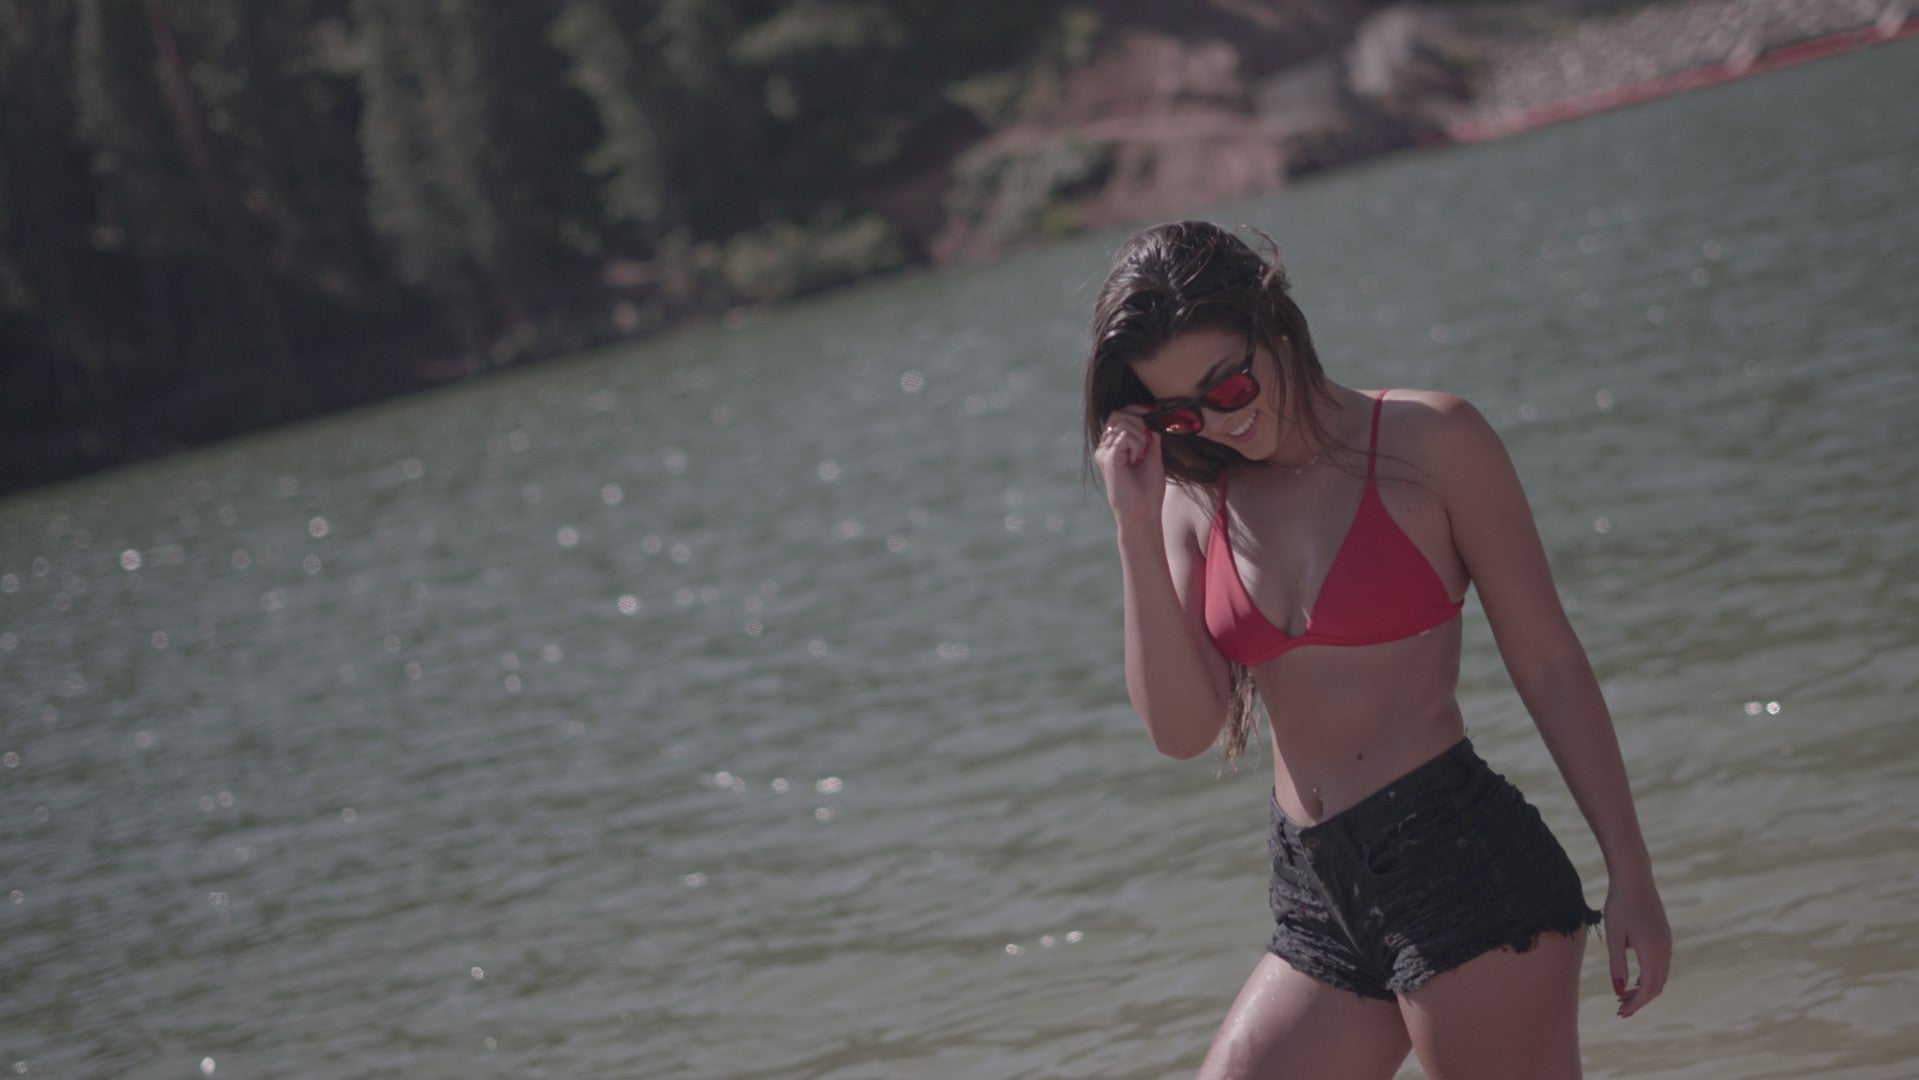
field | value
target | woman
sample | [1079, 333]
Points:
[1287, 539]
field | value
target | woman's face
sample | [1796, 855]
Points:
[1194, 363]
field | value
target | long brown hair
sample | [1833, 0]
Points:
[1194, 275]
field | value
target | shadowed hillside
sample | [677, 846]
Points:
[218, 215]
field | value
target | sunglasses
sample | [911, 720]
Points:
[1231, 392]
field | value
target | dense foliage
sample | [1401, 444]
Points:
[219, 213]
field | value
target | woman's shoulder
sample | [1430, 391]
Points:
[1424, 407]
[1440, 430]
[1430, 415]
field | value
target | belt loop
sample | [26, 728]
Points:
[1463, 752]
[1472, 772]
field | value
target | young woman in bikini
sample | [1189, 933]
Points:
[1290, 540]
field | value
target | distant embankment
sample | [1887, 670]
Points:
[1163, 119]
[1664, 51]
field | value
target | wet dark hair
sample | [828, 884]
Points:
[1193, 275]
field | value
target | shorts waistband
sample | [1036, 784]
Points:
[1456, 767]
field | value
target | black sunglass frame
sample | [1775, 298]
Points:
[1197, 404]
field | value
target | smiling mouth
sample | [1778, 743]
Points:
[1240, 431]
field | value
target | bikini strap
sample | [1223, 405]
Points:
[1372, 448]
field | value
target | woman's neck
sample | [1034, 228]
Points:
[1344, 414]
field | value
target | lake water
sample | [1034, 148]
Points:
[748, 703]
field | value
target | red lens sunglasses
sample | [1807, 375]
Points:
[1231, 392]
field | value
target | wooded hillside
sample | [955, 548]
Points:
[217, 214]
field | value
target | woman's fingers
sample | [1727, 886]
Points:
[1127, 435]
[1654, 955]
[1636, 926]
[1130, 467]
[1616, 960]
[1126, 429]
[1653, 963]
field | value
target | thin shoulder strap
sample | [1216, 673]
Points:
[1372, 448]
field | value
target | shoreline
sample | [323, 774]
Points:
[1683, 81]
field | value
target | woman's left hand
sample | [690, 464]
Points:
[1636, 922]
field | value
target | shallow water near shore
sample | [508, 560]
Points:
[747, 703]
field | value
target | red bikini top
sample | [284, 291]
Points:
[1379, 588]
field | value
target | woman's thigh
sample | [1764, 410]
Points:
[1288, 1024]
[1502, 1014]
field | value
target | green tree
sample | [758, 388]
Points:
[682, 128]
[207, 307]
[854, 86]
[278, 87]
[468, 136]
[423, 138]
[50, 359]
[630, 160]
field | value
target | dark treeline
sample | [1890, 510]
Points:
[219, 214]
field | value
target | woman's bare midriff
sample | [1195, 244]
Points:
[1347, 721]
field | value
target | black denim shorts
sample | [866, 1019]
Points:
[1445, 863]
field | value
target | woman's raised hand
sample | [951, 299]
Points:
[1130, 466]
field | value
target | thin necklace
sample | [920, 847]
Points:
[1295, 470]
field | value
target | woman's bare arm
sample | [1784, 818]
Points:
[1175, 678]
[1498, 542]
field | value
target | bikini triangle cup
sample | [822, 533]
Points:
[1379, 588]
